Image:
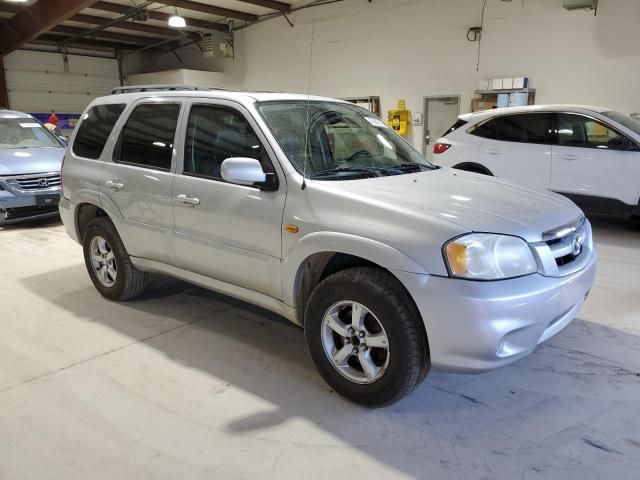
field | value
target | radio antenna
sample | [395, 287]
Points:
[306, 123]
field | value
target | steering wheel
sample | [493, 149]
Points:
[359, 153]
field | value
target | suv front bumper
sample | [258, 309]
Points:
[477, 326]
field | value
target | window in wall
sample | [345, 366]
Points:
[216, 133]
[147, 138]
[95, 129]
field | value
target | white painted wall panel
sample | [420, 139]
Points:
[38, 82]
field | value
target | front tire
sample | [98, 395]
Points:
[108, 263]
[365, 336]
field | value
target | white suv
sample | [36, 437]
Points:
[315, 209]
[590, 154]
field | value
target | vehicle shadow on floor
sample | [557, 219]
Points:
[574, 397]
[32, 225]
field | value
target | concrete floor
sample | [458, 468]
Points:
[185, 383]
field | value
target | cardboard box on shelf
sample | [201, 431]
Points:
[483, 104]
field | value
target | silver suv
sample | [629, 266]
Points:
[315, 209]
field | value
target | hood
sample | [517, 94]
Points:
[22, 161]
[476, 202]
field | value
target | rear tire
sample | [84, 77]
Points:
[391, 341]
[108, 262]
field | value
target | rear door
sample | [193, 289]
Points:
[517, 147]
[136, 184]
[591, 158]
[229, 232]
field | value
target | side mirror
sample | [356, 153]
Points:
[244, 171]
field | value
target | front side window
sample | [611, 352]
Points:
[147, 138]
[632, 124]
[580, 131]
[25, 133]
[95, 129]
[216, 133]
[335, 141]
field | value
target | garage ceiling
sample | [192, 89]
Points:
[122, 24]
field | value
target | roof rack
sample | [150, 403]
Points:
[160, 88]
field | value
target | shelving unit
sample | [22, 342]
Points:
[487, 99]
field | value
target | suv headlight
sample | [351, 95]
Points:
[487, 256]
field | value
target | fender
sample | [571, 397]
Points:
[319, 242]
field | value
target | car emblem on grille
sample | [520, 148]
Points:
[43, 182]
[576, 245]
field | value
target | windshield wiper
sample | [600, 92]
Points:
[333, 171]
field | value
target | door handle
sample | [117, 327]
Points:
[493, 151]
[189, 200]
[568, 157]
[114, 184]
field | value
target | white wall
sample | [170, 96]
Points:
[178, 77]
[414, 48]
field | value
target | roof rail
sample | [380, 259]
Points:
[159, 88]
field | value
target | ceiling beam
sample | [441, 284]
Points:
[281, 6]
[210, 9]
[126, 25]
[51, 39]
[155, 15]
[36, 19]
[104, 35]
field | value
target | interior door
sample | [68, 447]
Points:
[517, 147]
[591, 158]
[232, 233]
[137, 182]
[439, 114]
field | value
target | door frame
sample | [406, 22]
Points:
[425, 115]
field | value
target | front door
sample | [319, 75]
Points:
[137, 182]
[228, 232]
[439, 114]
[591, 159]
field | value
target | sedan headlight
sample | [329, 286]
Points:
[487, 256]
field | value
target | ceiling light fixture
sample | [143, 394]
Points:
[16, 1]
[176, 21]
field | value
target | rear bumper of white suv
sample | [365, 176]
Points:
[477, 326]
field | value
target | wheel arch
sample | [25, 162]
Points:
[321, 254]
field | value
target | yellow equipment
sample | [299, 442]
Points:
[399, 119]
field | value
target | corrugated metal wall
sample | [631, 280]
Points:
[41, 82]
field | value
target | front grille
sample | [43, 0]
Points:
[32, 211]
[34, 182]
[567, 243]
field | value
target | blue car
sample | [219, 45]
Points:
[30, 163]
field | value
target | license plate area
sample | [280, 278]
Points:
[47, 200]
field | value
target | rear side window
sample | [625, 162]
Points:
[454, 127]
[147, 137]
[95, 129]
[486, 129]
[525, 128]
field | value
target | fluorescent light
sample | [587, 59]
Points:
[176, 21]
[16, 1]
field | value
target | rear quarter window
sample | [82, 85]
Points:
[95, 128]
[459, 123]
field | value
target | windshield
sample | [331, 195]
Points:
[624, 120]
[25, 133]
[344, 142]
